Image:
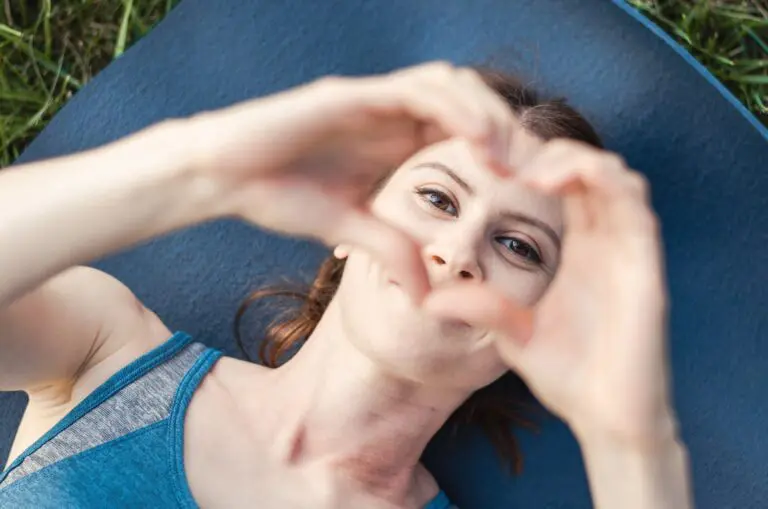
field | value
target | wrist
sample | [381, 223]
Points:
[645, 432]
[605, 444]
[632, 473]
[632, 478]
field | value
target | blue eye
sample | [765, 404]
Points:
[439, 200]
[521, 249]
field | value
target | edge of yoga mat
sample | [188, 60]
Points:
[635, 13]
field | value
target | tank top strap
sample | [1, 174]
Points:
[123, 383]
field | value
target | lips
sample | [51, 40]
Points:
[447, 322]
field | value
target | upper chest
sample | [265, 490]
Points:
[236, 451]
[233, 454]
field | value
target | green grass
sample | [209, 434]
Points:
[730, 37]
[50, 48]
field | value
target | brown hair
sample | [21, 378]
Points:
[505, 404]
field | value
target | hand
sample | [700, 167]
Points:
[593, 349]
[306, 161]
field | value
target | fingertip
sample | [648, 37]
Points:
[500, 169]
[341, 252]
[485, 155]
[447, 301]
[483, 307]
[397, 252]
[414, 280]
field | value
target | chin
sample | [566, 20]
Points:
[419, 347]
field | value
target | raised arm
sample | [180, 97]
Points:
[310, 153]
[594, 349]
[59, 213]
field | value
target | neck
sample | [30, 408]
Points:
[335, 405]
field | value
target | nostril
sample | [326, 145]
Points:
[438, 260]
[465, 274]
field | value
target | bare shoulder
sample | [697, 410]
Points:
[219, 440]
[74, 320]
[79, 328]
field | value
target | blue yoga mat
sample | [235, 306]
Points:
[704, 154]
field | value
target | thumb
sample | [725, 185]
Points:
[395, 250]
[482, 306]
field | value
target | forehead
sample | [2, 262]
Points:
[493, 192]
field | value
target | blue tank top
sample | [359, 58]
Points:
[122, 446]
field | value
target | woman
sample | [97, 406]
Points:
[443, 291]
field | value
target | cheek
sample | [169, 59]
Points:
[525, 287]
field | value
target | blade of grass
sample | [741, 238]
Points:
[760, 42]
[29, 124]
[760, 104]
[664, 21]
[741, 16]
[46, 14]
[19, 95]
[38, 57]
[748, 66]
[725, 61]
[753, 79]
[10, 32]
[123, 33]
[24, 14]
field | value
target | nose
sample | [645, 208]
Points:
[448, 264]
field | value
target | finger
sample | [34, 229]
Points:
[474, 105]
[456, 101]
[504, 121]
[562, 164]
[481, 306]
[600, 191]
[465, 87]
[411, 92]
[556, 172]
[397, 252]
[444, 91]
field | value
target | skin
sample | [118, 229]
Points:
[445, 267]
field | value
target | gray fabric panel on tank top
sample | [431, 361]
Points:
[141, 403]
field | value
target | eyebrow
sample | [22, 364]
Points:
[541, 225]
[452, 174]
[514, 216]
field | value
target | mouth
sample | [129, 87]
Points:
[449, 323]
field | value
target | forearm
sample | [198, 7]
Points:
[626, 476]
[58, 213]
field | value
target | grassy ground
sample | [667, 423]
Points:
[51, 48]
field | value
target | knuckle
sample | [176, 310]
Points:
[439, 68]
[331, 82]
[653, 222]
[649, 224]
[470, 74]
[639, 184]
[592, 168]
[563, 145]
[613, 160]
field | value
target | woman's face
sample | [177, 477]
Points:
[472, 225]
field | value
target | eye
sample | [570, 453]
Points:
[521, 248]
[439, 200]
